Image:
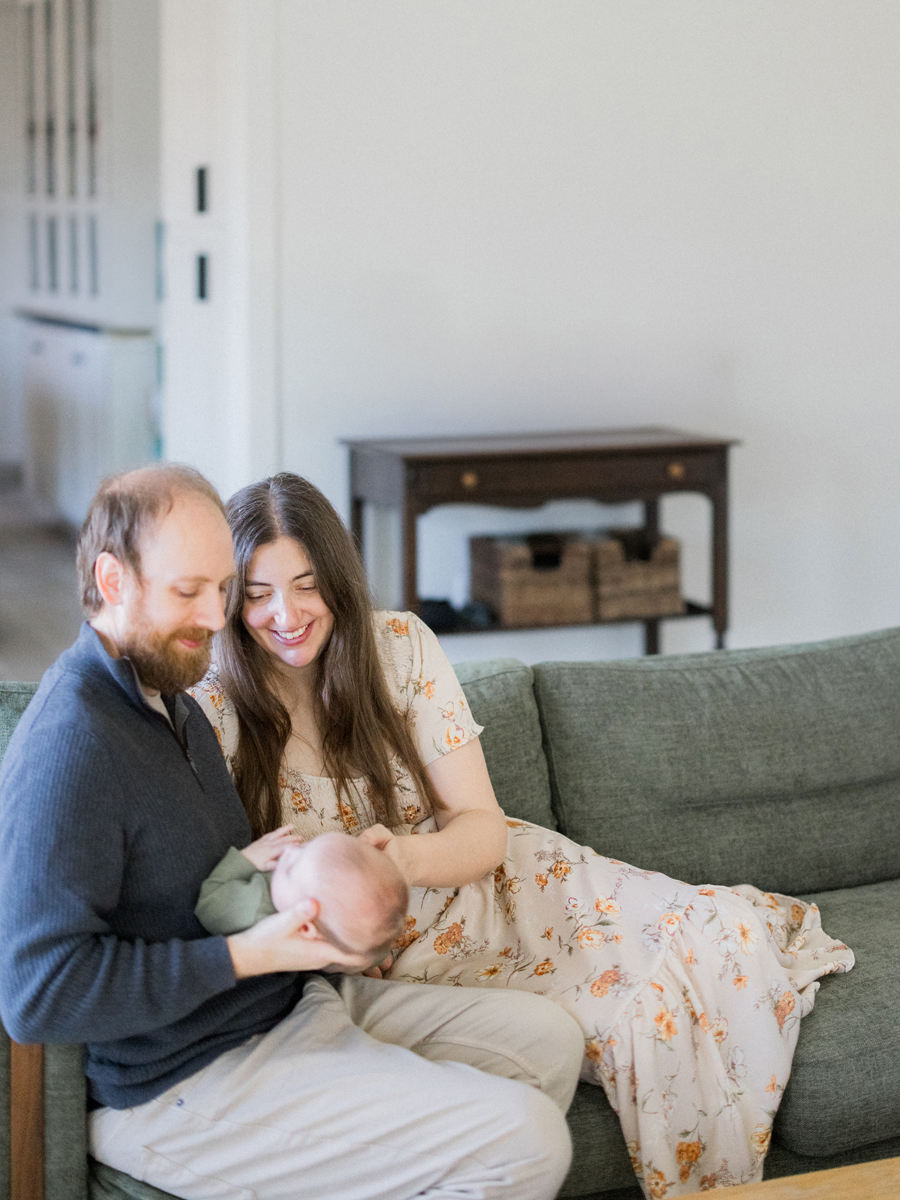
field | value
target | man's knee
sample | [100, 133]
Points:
[554, 1041]
[545, 1142]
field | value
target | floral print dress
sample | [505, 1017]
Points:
[690, 997]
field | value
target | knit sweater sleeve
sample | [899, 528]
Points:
[64, 974]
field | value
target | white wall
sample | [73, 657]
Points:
[509, 214]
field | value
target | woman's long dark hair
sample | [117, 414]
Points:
[362, 730]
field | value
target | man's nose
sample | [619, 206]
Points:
[211, 612]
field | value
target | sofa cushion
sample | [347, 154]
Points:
[777, 767]
[501, 697]
[844, 1089]
[600, 1160]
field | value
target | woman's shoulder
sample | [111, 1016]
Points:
[210, 694]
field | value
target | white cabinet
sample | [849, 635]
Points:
[89, 407]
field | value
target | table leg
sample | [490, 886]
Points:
[651, 518]
[719, 498]
[357, 505]
[651, 637]
[410, 562]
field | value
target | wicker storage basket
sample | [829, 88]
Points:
[633, 578]
[544, 579]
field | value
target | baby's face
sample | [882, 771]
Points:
[287, 884]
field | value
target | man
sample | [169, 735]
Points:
[220, 1066]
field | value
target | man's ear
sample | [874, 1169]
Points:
[109, 576]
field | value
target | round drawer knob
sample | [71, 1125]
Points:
[469, 480]
[675, 470]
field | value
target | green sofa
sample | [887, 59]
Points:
[778, 767]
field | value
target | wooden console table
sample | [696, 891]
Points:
[526, 470]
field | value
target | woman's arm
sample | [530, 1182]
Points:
[472, 829]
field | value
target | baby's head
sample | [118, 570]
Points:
[362, 896]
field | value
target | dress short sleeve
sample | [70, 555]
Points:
[220, 711]
[425, 685]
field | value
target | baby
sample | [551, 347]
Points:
[362, 896]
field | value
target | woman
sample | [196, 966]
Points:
[334, 717]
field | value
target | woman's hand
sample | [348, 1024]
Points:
[380, 969]
[265, 852]
[378, 836]
[289, 941]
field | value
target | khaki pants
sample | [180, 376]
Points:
[372, 1091]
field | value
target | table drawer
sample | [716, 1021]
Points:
[529, 480]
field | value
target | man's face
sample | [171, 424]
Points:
[168, 616]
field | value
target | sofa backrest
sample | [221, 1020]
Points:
[778, 767]
[500, 694]
[14, 698]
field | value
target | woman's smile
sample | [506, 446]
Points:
[294, 638]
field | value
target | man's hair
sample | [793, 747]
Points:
[125, 506]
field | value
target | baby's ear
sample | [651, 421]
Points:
[306, 913]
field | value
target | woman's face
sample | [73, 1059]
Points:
[283, 610]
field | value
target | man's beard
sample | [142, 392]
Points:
[162, 665]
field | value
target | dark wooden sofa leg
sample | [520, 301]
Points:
[26, 1094]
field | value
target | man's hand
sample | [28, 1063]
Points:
[288, 941]
[265, 852]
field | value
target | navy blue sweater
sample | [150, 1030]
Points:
[110, 820]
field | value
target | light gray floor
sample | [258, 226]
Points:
[39, 609]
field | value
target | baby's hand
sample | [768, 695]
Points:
[265, 852]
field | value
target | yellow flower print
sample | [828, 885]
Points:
[718, 1028]
[709, 1183]
[219, 738]
[604, 905]
[772, 1085]
[515, 824]
[548, 933]
[592, 1050]
[668, 923]
[689, 958]
[407, 936]
[411, 814]
[600, 987]
[686, 1155]
[590, 939]
[454, 735]
[657, 1185]
[770, 900]
[347, 815]
[665, 1024]
[634, 1153]
[544, 968]
[784, 1008]
[740, 981]
[489, 972]
[450, 937]
[505, 952]
[798, 912]
[560, 869]
[541, 881]
[746, 934]
[761, 1137]
[707, 892]
[398, 627]
[513, 884]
